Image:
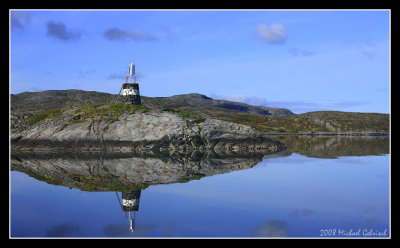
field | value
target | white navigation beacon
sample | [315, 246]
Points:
[131, 69]
[130, 90]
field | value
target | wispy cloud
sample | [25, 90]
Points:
[59, 31]
[305, 106]
[170, 33]
[273, 34]
[296, 106]
[115, 75]
[369, 49]
[20, 19]
[255, 101]
[121, 35]
[121, 75]
[300, 52]
[296, 213]
[82, 74]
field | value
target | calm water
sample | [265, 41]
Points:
[319, 187]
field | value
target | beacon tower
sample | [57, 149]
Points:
[130, 90]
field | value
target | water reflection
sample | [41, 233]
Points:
[335, 146]
[103, 172]
[127, 176]
[130, 205]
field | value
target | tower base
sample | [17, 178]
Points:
[131, 94]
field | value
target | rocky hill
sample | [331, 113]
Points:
[35, 102]
[135, 129]
[30, 107]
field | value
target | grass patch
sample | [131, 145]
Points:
[109, 112]
[192, 176]
[104, 183]
[102, 111]
[49, 114]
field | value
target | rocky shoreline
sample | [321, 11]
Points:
[326, 134]
[140, 133]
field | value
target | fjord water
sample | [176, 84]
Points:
[318, 187]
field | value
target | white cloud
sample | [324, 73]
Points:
[272, 34]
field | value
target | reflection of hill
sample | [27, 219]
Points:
[105, 172]
[127, 171]
[336, 146]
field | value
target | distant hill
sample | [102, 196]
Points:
[202, 101]
[33, 102]
[267, 120]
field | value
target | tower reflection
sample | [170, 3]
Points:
[130, 205]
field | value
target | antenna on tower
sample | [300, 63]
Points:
[132, 71]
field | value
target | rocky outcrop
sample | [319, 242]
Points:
[152, 130]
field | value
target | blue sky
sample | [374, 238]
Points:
[296, 59]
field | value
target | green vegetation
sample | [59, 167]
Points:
[109, 112]
[49, 114]
[96, 106]
[318, 121]
[103, 183]
[106, 111]
[191, 176]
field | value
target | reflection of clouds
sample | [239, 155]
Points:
[297, 213]
[170, 231]
[294, 214]
[366, 219]
[370, 216]
[64, 230]
[307, 212]
[122, 230]
[117, 230]
[381, 176]
[272, 228]
[112, 230]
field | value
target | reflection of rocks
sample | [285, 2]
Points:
[216, 147]
[333, 147]
[97, 173]
[280, 154]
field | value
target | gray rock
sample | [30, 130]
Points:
[160, 130]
